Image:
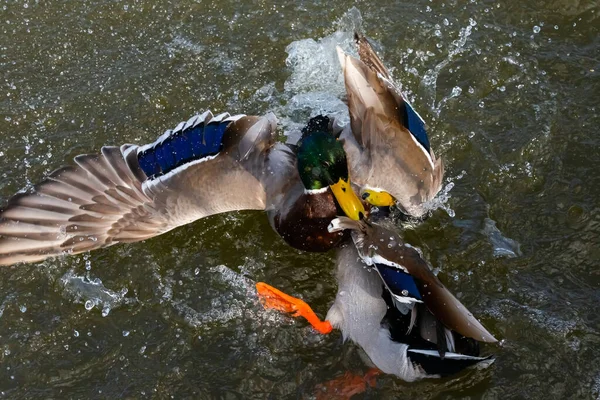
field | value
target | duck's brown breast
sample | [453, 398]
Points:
[304, 227]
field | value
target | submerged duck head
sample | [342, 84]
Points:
[322, 164]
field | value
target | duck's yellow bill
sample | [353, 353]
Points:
[378, 199]
[348, 200]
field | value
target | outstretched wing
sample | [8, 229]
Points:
[387, 144]
[205, 166]
[378, 245]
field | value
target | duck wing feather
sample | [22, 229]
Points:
[206, 165]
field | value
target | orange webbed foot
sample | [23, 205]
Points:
[347, 385]
[271, 297]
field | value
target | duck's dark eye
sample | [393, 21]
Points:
[365, 195]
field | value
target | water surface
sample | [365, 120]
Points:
[510, 91]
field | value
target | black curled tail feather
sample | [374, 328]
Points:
[430, 362]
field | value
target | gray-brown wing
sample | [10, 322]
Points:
[437, 298]
[387, 141]
[396, 164]
[205, 166]
[377, 244]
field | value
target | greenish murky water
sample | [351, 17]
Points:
[511, 92]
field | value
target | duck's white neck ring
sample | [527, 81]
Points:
[316, 191]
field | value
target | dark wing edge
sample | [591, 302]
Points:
[436, 297]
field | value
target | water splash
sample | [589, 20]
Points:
[236, 301]
[92, 293]
[429, 81]
[456, 91]
[314, 63]
[180, 44]
[316, 83]
[503, 246]
[442, 198]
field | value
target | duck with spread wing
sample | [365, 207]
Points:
[205, 166]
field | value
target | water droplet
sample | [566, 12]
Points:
[75, 333]
[536, 29]
[105, 311]
[23, 308]
[89, 305]
[125, 333]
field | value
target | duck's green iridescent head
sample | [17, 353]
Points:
[321, 160]
[322, 163]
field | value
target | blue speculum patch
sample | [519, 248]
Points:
[416, 126]
[181, 147]
[399, 282]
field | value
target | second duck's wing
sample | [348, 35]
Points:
[205, 166]
[378, 245]
[387, 144]
[363, 316]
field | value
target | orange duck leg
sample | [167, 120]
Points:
[347, 385]
[276, 299]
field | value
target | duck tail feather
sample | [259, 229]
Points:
[452, 363]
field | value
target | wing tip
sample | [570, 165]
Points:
[341, 57]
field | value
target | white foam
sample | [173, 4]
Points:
[316, 84]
